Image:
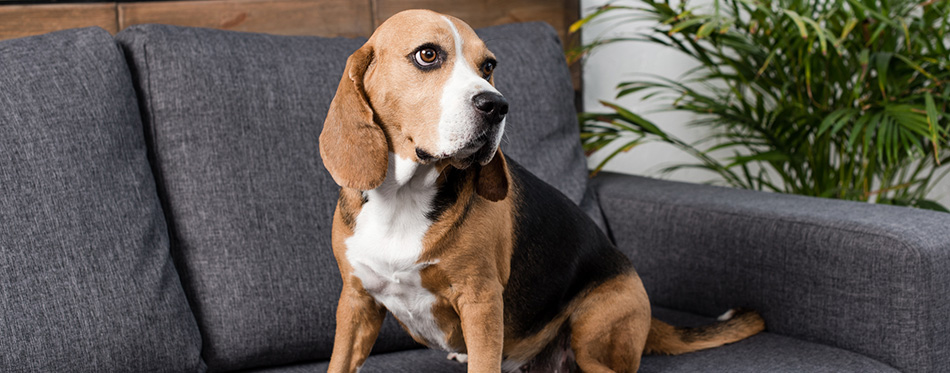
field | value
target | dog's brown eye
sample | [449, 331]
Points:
[487, 68]
[426, 56]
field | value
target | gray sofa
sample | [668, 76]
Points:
[163, 207]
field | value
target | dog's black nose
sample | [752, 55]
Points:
[491, 105]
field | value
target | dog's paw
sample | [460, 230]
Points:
[461, 358]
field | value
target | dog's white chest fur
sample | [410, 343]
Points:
[387, 242]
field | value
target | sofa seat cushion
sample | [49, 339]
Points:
[87, 282]
[234, 121]
[765, 352]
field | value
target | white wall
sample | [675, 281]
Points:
[623, 61]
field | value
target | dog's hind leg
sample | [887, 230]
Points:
[610, 326]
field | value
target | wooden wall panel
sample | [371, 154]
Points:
[282, 17]
[483, 13]
[25, 20]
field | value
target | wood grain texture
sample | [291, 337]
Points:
[327, 18]
[572, 13]
[282, 17]
[25, 20]
[483, 13]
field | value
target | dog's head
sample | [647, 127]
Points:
[421, 88]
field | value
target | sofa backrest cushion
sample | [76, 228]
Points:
[87, 283]
[234, 120]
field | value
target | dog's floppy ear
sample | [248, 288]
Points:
[353, 147]
[493, 183]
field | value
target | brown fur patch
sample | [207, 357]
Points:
[493, 178]
[610, 326]
[349, 205]
[353, 146]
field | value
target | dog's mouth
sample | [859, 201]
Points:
[481, 154]
[480, 150]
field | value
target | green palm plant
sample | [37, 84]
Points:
[832, 98]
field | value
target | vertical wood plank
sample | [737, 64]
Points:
[25, 20]
[282, 17]
[572, 13]
[483, 13]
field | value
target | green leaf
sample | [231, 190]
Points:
[706, 29]
[837, 118]
[864, 59]
[915, 66]
[680, 26]
[927, 204]
[877, 33]
[910, 117]
[633, 89]
[884, 19]
[591, 147]
[822, 41]
[625, 148]
[883, 61]
[766, 63]
[847, 30]
[907, 39]
[798, 22]
[770, 156]
[856, 131]
[597, 13]
[933, 118]
[635, 119]
[725, 26]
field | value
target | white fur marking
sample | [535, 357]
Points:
[461, 358]
[726, 316]
[457, 121]
[387, 242]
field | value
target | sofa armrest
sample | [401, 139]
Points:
[868, 278]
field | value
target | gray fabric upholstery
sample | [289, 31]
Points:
[865, 278]
[766, 352]
[87, 283]
[234, 120]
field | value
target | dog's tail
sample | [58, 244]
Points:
[733, 326]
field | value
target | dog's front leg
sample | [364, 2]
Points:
[482, 317]
[358, 319]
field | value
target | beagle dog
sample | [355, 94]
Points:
[471, 253]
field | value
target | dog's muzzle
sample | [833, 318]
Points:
[490, 109]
